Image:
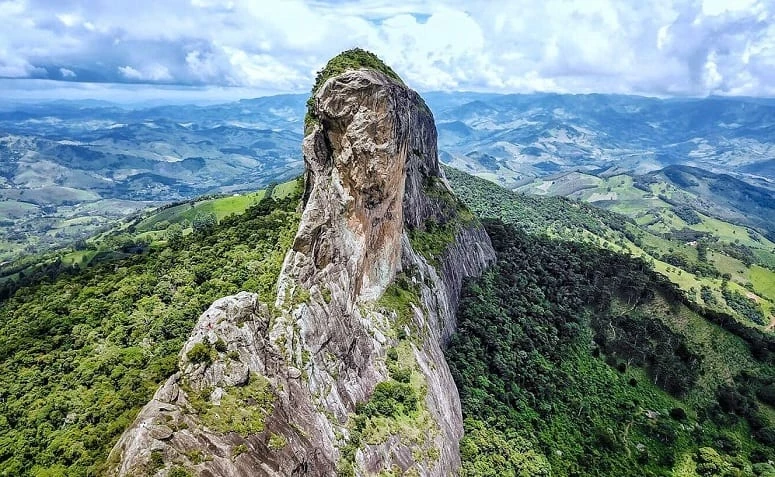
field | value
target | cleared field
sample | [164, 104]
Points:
[729, 232]
[765, 257]
[284, 189]
[80, 257]
[221, 207]
[12, 209]
[225, 206]
[732, 266]
[657, 244]
[763, 281]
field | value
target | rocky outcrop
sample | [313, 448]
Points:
[345, 371]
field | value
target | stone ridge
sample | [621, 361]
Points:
[284, 388]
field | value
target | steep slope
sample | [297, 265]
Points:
[344, 371]
[574, 357]
[693, 233]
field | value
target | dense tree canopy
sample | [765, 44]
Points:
[564, 352]
[81, 352]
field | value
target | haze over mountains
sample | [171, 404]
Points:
[67, 167]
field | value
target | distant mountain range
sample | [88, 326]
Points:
[516, 138]
[67, 167]
[158, 154]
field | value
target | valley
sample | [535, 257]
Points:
[626, 328]
[68, 168]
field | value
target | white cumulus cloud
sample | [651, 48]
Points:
[153, 72]
[657, 47]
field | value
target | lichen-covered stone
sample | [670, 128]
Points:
[372, 175]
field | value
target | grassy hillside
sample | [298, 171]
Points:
[705, 258]
[83, 347]
[219, 207]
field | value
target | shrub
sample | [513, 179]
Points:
[204, 222]
[402, 375]
[767, 394]
[277, 442]
[200, 353]
[728, 443]
[178, 471]
[390, 398]
[196, 456]
[157, 461]
[678, 414]
[220, 345]
[240, 449]
[766, 436]
[710, 463]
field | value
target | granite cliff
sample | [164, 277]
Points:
[344, 373]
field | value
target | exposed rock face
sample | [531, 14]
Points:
[277, 393]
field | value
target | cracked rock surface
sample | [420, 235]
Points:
[277, 393]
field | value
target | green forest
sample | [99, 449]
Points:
[717, 271]
[563, 350]
[573, 359]
[83, 349]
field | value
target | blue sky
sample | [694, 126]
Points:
[244, 48]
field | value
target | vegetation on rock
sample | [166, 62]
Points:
[241, 409]
[200, 353]
[353, 59]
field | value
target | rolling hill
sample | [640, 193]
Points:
[67, 168]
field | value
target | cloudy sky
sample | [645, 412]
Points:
[651, 47]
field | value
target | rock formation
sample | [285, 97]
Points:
[344, 373]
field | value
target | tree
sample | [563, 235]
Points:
[174, 235]
[204, 222]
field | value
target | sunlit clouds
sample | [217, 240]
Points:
[652, 47]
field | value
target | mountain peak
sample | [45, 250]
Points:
[353, 59]
[348, 60]
[345, 372]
